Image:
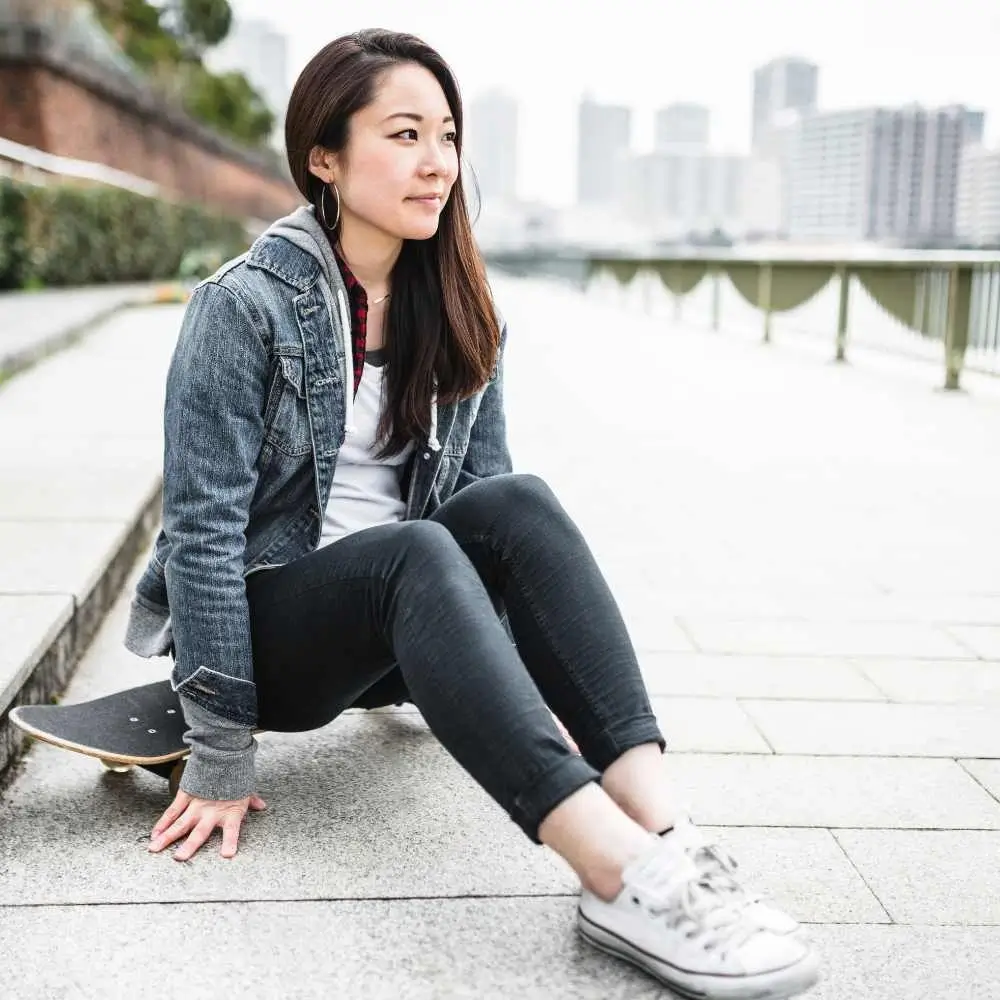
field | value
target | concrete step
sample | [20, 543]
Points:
[34, 325]
[81, 453]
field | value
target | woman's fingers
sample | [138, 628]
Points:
[196, 838]
[175, 831]
[231, 834]
[181, 801]
[257, 803]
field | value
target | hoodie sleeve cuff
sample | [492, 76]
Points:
[221, 765]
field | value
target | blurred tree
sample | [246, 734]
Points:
[207, 21]
[167, 39]
[229, 98]
[136, 26]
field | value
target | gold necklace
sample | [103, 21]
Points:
[375, 302]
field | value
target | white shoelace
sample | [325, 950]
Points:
[692, 900]
[718, 868]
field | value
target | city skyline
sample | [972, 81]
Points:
[869, 53]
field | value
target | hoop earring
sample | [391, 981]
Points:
[322, 207]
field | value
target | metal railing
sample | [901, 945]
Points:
[947, 303]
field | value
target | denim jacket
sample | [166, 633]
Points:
[254, 417]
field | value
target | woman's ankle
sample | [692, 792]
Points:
[637, 782]
[595, 838]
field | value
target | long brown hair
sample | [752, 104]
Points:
[441, 321]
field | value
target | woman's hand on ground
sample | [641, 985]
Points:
[198, 818]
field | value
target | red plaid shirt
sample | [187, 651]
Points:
[359, 318]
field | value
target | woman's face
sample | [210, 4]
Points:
[400, 161]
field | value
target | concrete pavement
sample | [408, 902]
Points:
[36, 324]
[807, 559]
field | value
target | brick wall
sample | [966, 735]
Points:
[50, 107]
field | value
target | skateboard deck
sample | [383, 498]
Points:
[142, 727]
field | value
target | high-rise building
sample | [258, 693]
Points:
[603, 143]
[260, 53]
[490, 145]
[685, 191]
[882, 174]
[780, 86]
[681, 124]
[978, 211]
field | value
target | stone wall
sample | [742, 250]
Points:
[63, 106]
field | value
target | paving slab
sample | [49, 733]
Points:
[880, 729]
[939, 608]
[986, 772]
[803, 871]
[28, 625]
[711, 725]
[427, 950]
[983, 640]
[84, 491]
[128, 352]
[891, 962]
[799, 677]
[847, 639]
[930, 876]
[776, 790]
[660, 636]
[420, 950]
[57, 557]
[33, 322]
[937, 681]
[936, 574]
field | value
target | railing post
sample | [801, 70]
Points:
[716, 296]
[845, 291]
[956, 336]
[764, 298]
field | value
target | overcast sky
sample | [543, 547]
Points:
[646, 53]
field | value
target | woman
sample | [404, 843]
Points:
[341, 527]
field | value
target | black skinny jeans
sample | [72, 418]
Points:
[422, 597]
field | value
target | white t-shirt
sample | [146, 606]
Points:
[365, 490]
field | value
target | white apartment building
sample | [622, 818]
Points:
[490, 145]
[603, 142]
[878, 174]
[681, 124]
[828, 176]
[678, 192]
[978, 212]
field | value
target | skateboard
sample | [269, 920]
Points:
[140, 727]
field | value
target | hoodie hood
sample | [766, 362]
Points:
[303, 230]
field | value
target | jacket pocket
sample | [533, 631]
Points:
[286, 416]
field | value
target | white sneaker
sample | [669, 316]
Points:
[719, 867]
[678, 926]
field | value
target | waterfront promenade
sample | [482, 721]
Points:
[808, 558]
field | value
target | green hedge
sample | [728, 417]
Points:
[67, 235]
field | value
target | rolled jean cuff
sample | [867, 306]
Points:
[624, 736]
[534, 803]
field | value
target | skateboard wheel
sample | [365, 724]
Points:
[174, 781]
[114, 766]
